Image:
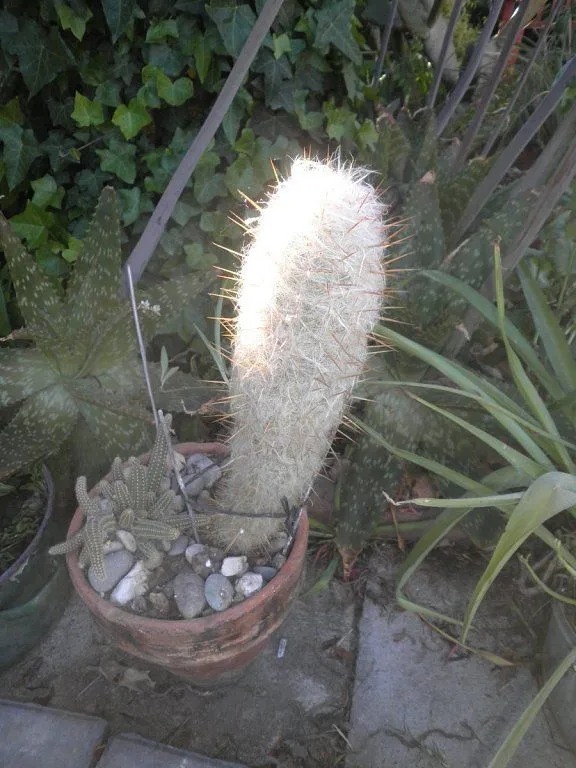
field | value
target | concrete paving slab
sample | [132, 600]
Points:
[130, 750]
[415, 705]
[39, 737]
[281, 712]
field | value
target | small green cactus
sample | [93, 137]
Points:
[133, 501]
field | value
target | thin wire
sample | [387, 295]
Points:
[141, 343]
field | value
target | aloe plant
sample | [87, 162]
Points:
[452, 205]
[537, 479]
[72, 372]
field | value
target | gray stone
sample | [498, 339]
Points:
[39, 737]
[134, 584]
[278, 561]
[127, 539]
[266, 571]
[234, 566]
[249, 583]
[117, 565]
[189, 594]
[416, 705]
[128, 751]
[204, 563]
[194, 549]
[159, 602]
[112, 546]
[178, 547]
[201, 473]
[219, 592]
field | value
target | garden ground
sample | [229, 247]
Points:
[359, 684]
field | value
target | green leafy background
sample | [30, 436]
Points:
[98, 92]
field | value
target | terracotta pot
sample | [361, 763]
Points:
[206, 650]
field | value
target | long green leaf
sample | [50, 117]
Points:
[487, 309]
[524, 385]
[518, 460]
[502, 758]
[553, 340]
[548, 495]
[527, 424]
[471, 383]
[478, 502]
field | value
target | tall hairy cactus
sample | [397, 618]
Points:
[309, 292]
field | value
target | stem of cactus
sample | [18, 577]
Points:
[309, 291]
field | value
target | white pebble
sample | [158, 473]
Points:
[128, 540]
[234, 566]
[133, 585]
[249, 584]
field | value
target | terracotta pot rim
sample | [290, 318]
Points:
[202, 623]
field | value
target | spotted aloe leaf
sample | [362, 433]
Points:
[39, 428]
[116, 426]
[423, 155]
[38, 301]
[23, 372]
[393, 148]
[94, 286]
[456, 190]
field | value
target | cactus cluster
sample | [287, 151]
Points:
[135, 500]
[310, 289]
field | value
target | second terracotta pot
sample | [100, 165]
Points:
[206, 650]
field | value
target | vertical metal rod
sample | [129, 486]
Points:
[141, 343]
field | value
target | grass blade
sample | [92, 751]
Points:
[553, 340]
[324, 579]
[502, 758]
[523, 383]
[487, 309]
[548, 495]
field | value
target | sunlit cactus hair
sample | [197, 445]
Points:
[309, 292]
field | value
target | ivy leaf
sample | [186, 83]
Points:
[74, 19]
[118, 14]
[208, 188]
[8, 30]
[203, 45]
[168, 60]
[234, 25]
[341, 122]
[275, 72]
[39, 428]
[11, 114]
[20, 151]
[130, 205]
[108, 93]
[47, 193]
[131, 119]
[157, 33]
[41, 56]
[282, 44]
[335, 27]
[33, 225]
[86, 112]
[368, 135]
[174, 93]
[118, 158]
[23, 372]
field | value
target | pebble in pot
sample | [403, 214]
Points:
[201, 473]
[219, 592]
[133, 585]
[234, 566]
[117, 564]
[249, 584]
[266, 571]
[178, 547]
[189, 594]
